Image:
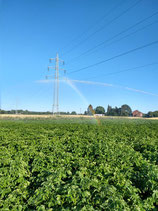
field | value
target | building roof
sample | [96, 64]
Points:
[136, 112]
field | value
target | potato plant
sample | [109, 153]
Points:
[65, 165]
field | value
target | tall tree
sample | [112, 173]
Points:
[126, 110]
[90, 110]
[100, 110]
[109, 108]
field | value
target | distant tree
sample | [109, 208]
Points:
[99, 110]
[90, 110]
[116, 111]
[73, 113]
[108, 110]
[152, 114]
[155, 114]
[85, 113]
[126, 110]
[113, 111]
[63, 113]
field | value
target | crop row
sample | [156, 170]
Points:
[59, 166]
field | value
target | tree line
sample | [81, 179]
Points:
[34, 112]
[151, 114]
[124, 110]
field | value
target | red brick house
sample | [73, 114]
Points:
[137, 113]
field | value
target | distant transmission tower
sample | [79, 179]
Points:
[55, 107]
[16, 108]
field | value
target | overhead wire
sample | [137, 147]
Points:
[98, 21]
[128, 35]
[122, 71]
[101, 28]
[118, 34]
[117, 56]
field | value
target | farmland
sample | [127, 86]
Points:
[78, 164]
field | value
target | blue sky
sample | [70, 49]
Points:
[34, 31]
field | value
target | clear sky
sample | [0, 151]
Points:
[83, 32]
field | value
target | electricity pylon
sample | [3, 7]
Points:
[55, 107]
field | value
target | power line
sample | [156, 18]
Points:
[101, 28]
[128, 35]
[125, 30]
[125, 70]
[98, 21]
[114, 57]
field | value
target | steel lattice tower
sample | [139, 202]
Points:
[55, 107]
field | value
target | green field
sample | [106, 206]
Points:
[78, 164]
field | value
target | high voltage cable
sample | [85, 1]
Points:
[99, 20]
[101, 28]
[125, 70]
[125, 30]
[155, 22]
[117, 56]
[128, 35]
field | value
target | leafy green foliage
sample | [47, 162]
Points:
[125, 110]
[71, 166]
[99, 110]
[152, 114]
